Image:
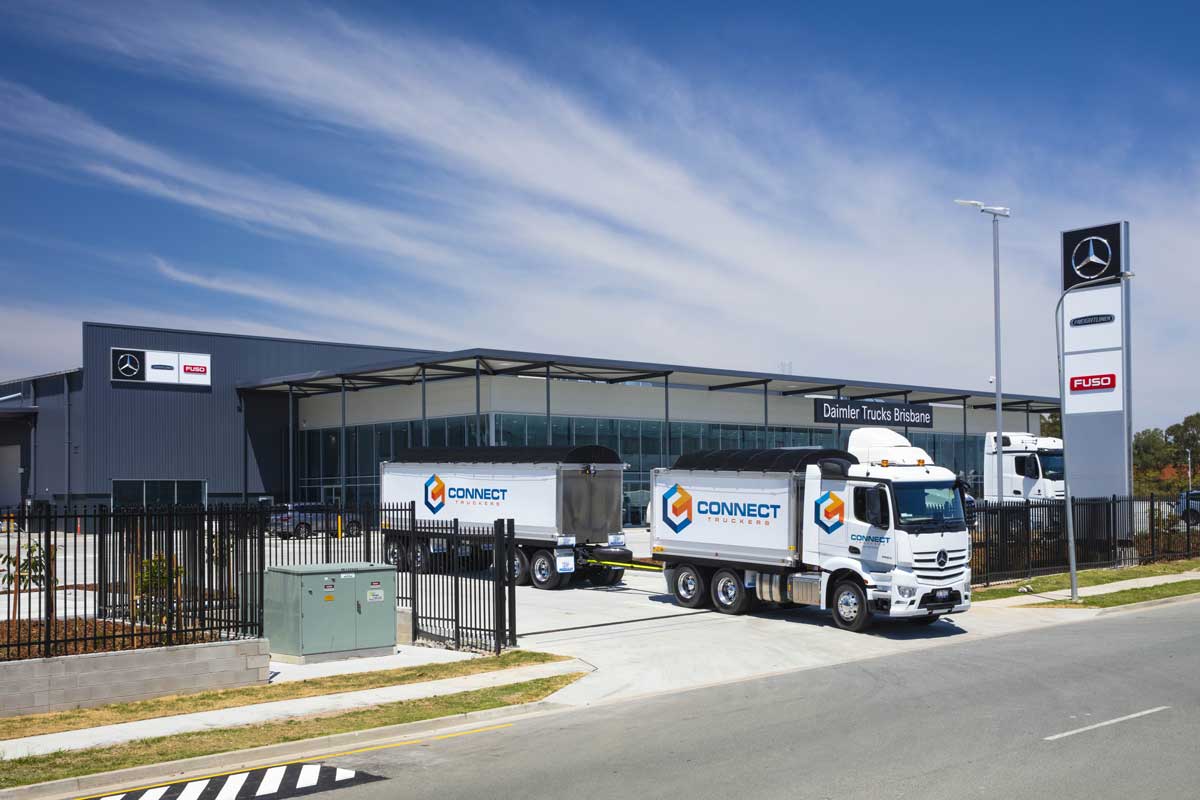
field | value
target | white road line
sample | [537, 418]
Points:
[233, 785]
[1103, 724]
[192, 790]
[309, 774]
[113, 797]
[343, 774]
[155, 793]
[270, 781]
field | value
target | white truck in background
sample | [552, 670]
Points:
[878, 530]
[565, 503]
[1033, 467]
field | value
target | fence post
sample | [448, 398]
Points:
[455, 568]
[500, 568]
[1187, 518]
[47, 583]
[1028, 539]
[510, 538]
[261, 569]
[170, 574]
[412, 547]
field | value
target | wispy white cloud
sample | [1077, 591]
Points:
[708, 224]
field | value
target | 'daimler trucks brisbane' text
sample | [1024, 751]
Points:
[877, 529]
[565, 501]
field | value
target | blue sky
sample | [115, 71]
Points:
[722, 184]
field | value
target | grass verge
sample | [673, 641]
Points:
[1126, 596]
[80, 718]
[1087, 577]
[73, 763]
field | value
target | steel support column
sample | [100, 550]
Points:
[478, 427]
[549, 424]
[245, 452]
[906, 424]
[291, 445]
[838, 443]
[667, 420]
[424, 418]
[964, 437]
[766, 418]
[342, 443]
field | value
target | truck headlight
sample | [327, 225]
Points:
[906, 592]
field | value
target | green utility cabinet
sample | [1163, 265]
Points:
[322, 612]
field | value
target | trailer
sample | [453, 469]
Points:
[565, 501]
[877, 529]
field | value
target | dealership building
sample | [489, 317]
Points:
[160, 416]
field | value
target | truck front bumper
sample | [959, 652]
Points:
[921, 600]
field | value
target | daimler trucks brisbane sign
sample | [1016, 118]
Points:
[160, 366]
[862, 412]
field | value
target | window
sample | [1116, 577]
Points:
[1019, 465]
[367, 465]
[127, 493]
[331, 455]
[383, 442]
[561, 428]
[535, 434]
[585, 430]
[512, 430]
[929, 507]
[437, 433]
[456, 432]
[860, 507]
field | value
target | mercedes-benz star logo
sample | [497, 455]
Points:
[1091, 257]
[942, 558]
[128, 365]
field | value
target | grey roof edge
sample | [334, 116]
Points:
[43, 376]
[228, 335]
[623, 366]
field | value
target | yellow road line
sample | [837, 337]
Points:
[309, 759]
[650, 567]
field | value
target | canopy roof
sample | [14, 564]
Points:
[409, 371]
[777, 459]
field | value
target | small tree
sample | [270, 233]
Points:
[153, 579]
[25, 573]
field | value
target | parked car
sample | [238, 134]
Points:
[1188, 507]
[304, 519]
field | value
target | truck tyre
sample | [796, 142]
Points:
[932, 618]
[421, 556]
[689, 587]
[393, 554]
[520, 567]
[543, 572]
[303, 530]
[613, 575]
[354, 528]
[1192, 517]
[728, 593]
[850, 612]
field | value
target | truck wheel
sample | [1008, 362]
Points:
[1192, 517]
[393, 554]
[354, 529]
[850, 612]
[520, 567]
[303, 530]
[421, 556]
[932, 618]
[689, 587]
[612, 576]
[728, 594]
[543, 572]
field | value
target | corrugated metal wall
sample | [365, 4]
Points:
[146, 431]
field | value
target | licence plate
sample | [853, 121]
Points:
[942, 594]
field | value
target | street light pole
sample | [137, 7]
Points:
[997, 212]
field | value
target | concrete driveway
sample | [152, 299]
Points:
[641, 643]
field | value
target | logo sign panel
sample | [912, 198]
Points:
[160, 366]
[1093, 383]
[830, 512]
[860, 412]
[1093, 319]
[1091, 255]
[677, 508]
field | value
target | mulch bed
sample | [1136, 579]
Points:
[20, 639]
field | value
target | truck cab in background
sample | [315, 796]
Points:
[1033, 467]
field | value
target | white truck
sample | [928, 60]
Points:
[876, 530]
[565, 502]
[1033, 467]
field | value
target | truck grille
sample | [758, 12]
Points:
[927, 570]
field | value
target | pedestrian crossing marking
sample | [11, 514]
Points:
[269, 783]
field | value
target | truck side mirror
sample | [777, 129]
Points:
[877, 509]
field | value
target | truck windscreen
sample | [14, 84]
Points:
[929, 507]
[1052, 464]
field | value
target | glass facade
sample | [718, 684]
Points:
[641, 443]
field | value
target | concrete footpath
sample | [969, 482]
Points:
[278, 710]
[1031, 598]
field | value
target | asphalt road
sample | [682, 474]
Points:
[966, 720]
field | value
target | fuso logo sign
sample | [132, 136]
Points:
[1093, 383]
[195, 369]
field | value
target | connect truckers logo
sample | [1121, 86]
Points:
[677, 508]
[435, 494]
[830, 512]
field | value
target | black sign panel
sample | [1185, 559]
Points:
[861, 412]
[128, 365]
[1092, 255]
[1092, 319]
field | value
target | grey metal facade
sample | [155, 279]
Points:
[121, 431]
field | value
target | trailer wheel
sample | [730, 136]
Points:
[728, 593]
[543, 572]
[850, 612]
[520, 567]
[689, 587]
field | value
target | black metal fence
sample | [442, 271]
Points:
[83, 580]
[78, 580]
[1014, 540]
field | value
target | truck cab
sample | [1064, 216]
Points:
[1033, 467]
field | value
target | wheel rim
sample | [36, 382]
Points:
[393, 554]
[847, 605]
[687, 585]
[541, 569]
[516, 567]
[727, 591]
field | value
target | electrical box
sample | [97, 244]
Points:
[322, 612]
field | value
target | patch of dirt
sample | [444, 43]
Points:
[20, 639]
